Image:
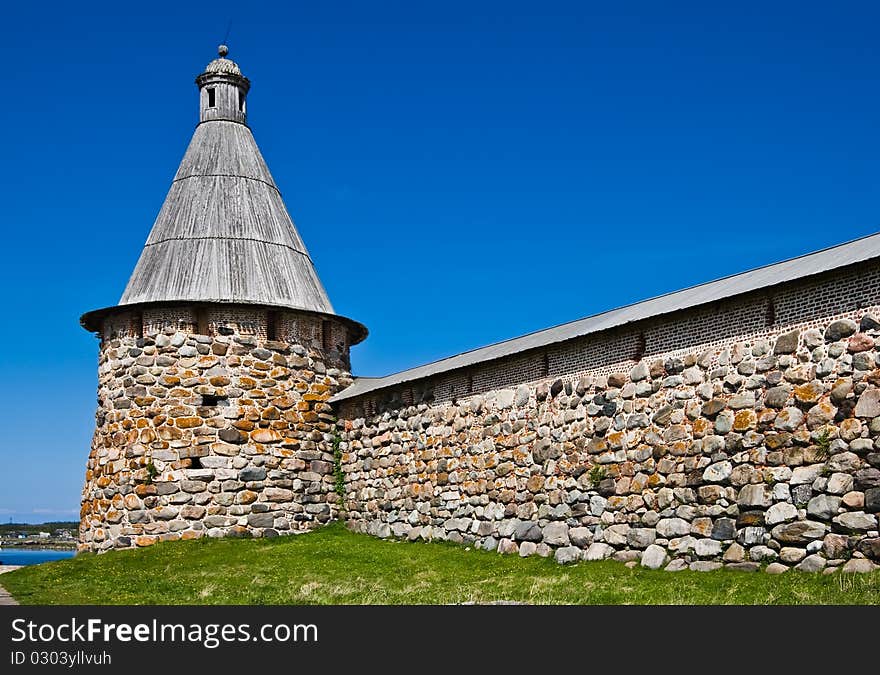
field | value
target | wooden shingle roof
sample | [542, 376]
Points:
[223, 234]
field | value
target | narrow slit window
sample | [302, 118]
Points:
[327, 335]
[241, 101]
[641, 345]
[770, 312]
[137, 325]
[202, 324]
[272, 325]
[212, 98]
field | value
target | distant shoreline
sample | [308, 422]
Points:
[52, 536]
[32, 544]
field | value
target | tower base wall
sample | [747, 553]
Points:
[220, 434]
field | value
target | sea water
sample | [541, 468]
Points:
[32, 556]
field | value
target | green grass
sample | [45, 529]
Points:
[334, 566]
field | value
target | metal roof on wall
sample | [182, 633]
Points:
[842, 255]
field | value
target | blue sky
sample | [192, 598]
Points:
[462, 172]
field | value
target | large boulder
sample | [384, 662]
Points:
[823, 507]
[654, 557]
[754, 495]
[787, 343]
[556, 534]
[780, 512]
[856, 521]
[568, 554]
[672, 527]
[869, 403]
[840, 329]
[799, 532]
[598, 551]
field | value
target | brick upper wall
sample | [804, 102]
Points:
[760, 314]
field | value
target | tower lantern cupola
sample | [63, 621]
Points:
[223, 90]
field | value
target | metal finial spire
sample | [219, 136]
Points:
[223, 50]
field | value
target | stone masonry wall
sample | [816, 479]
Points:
[227, 434]
[745, 433]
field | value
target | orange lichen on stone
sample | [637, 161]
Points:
[744, 420]
[535, 483]
[809, 392]
[700, 427]
[145, 490]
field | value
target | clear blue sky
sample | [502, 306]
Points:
[462, 172]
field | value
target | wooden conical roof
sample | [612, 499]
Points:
[223, 234]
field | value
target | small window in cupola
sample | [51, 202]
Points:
[241, 97]
[212, 97]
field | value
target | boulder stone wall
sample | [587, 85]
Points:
[225, 434]
[758, 450]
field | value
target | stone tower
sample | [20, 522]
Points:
[216, 366]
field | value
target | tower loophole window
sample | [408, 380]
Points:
[136, 325]
[212, 97]
[271, 325]
[203, 325]
[241, 101]
[327, 335]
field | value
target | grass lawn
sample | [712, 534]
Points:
[334, 566]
